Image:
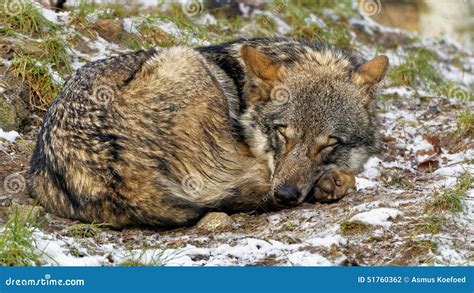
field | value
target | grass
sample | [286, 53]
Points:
[419, 69]
[17, 244]
[451, 199]
[158, 257]
[41, 88]
[397, 178]
[119, 10]
[353, 227]
[432, 224]
[465, 124]
[25, 19]
[56, 54]
[85, 230]
[148, 36]
[334, 32]
[454, 91]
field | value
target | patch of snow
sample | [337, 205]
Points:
[168, 27]
[377, 217]
[10, 135]
[130, 25]
[55, 252]
[207, 19]
[305, 258]
[371, 168]
[362, 183]
[316, 20]
[366, 206]
[454, 170]
[402, 91]
[446, 254]
[326, 241]
[60, 17]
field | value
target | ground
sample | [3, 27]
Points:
[414, 204]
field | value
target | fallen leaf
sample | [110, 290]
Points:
[428, 165]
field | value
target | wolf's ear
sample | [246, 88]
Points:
[260, 65]
[371, 73]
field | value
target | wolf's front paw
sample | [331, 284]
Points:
[333, 185]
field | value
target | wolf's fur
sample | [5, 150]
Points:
[161, 137]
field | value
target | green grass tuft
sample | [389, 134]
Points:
[451, 200]
[85, 230]
[159, 257]
[40, 86]
[465, 124]
[432, 224]
[419, 69]
[17, 245]
[25, 19]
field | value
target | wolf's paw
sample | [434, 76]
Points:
[333, 185]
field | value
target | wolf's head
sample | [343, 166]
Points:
[309, 111]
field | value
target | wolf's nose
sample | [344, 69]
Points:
[288, 194]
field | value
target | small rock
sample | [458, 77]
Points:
[214, 222]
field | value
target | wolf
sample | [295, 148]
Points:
[160, 137]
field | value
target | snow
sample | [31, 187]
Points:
[378, 217]
[327, 241]
[9, 136]
[362, 183]
[130, 25]
[304, 258]
[54, 252]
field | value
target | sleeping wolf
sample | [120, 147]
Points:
[163, 136]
